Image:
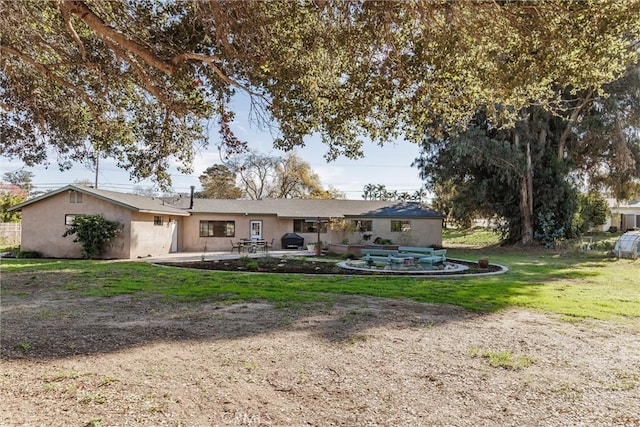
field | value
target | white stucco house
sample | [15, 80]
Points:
[625, 215]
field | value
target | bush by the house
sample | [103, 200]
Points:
[93, 232]
[28, 254]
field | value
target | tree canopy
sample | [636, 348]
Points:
[138, 81]
[380, 192]
[259, 176]
[218, 182]
[529, 176]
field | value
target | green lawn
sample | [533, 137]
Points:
[474, 237]
[576, 285]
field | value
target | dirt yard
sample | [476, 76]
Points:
[128, 361]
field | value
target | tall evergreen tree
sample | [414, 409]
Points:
[218, 182]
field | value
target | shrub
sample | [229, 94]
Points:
[603, 245]
[28, 254]
[93, 232]
[253, 265]
[550, 231]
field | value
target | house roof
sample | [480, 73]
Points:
[613, 203]
[11, 188]
[314, 208]
[282, 208]
[134, 202]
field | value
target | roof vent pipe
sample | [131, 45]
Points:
[193, 188]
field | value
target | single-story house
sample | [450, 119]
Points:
[155, 226]
[625, 215]
[149, 226]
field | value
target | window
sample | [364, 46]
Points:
[68, 219]
[217, 228]
[308, 226]
[75, 197]
[400, 225]
[363, 225]
[157, 220]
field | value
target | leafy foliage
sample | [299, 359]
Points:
[520, 175]
[93, 232]
[593, 210]
[482, 172]
[137, 80]
[607, 153]
[264, 176]
[28, 255]
[380, 192]
[550, 231]
[218, 182]
[7, 200]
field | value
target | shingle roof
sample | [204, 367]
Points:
[313, 208]
[283, 208]
[133, 202]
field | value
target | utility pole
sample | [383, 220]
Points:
[97, 167]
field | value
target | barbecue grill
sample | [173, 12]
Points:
[292, 240]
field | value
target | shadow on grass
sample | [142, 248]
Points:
[76, 308]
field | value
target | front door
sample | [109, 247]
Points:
[255, 229]
[173, 224]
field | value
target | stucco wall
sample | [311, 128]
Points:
[148, 239]
[190, 240]
[424, 232]
[43, 224]
[623, 218]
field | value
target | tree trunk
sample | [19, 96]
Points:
[526, 196]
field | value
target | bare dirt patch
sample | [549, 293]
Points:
[130, 361]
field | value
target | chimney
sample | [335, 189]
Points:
[193, 188]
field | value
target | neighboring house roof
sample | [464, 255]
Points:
[623, 204]
[11, 188]
[313, 208]
[134, 202]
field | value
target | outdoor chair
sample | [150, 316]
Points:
[261, 245]
[238, 246]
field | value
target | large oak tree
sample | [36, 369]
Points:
[138, 80]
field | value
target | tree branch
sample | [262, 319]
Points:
[147, 82]
[93, 21]
[572, 119]
[67, 20]
[50, 74]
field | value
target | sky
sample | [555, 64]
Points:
[389, 165]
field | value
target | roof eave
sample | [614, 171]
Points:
[162, 212]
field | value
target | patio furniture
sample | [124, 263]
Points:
[253, 245]
[237, 246]
[260, 245]
[436, 257]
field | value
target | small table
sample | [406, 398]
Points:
[252, 245]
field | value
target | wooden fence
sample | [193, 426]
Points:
[10, 233]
